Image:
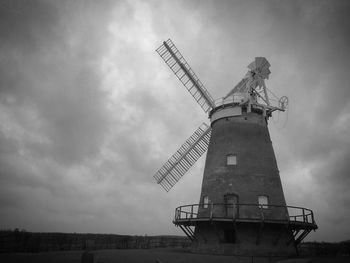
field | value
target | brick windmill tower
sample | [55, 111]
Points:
[242, 209]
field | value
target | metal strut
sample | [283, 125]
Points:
[188, 231]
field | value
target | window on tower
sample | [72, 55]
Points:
[231, 159]
[263, 201]
[205, 201]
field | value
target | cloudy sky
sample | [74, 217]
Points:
[89, 111]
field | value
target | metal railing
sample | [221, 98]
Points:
[235, 98]
[251, 212]
[238, 98]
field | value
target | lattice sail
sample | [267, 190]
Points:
[178, 164]
[177, 63]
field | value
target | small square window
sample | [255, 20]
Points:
[263, 201]
[231, 159]
[205, 201]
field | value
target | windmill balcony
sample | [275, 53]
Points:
[296, 218]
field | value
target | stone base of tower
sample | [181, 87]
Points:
[244, 239]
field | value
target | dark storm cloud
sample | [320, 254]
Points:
[318, 137]
[52, 72]
[25, 24]
[53, 109]
[70, 151]
[323, 47]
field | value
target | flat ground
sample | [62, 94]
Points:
[164, 255]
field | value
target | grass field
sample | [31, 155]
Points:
[164, 255]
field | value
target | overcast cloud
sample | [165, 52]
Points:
[89, 112]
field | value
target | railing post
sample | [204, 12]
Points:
[211, 210]
[191, 211]
[262, 213]
[233, 211]
[303, 215]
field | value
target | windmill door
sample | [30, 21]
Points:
[231, 205]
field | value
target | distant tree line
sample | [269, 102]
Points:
[322, 249]
[23, 241]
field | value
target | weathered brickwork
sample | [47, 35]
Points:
[255, 174]
[251, 240]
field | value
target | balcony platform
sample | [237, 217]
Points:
[298, 219]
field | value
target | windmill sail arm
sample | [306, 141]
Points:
[199, 86]
[190, 74]
[183, 159]
[177, 63]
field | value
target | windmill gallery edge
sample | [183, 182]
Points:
[242, 209]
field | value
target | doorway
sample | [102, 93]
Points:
[229, 234]
[231, 205]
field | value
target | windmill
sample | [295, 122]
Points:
[242, 209]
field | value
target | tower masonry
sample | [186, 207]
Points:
[241, 181]
[241, 161]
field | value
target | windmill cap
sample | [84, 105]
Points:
[261, 66]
